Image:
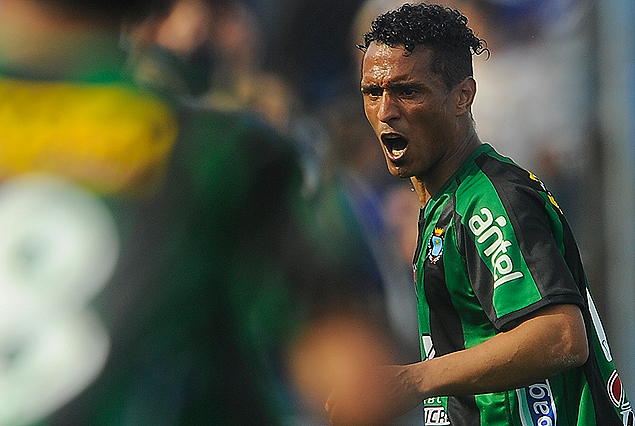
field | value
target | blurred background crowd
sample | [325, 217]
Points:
[556, 92]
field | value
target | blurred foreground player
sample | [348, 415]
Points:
[508, 329]
[140, 279]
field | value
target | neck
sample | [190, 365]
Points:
[421, 190]
[429, 185]
[40, 41]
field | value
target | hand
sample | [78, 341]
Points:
[376, 397]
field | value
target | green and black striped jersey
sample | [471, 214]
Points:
[494, 247]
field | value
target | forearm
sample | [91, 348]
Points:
[554, 340]
[540, 347]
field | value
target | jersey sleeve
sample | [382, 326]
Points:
[514, 247]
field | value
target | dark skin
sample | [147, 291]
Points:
[409, 107]
[426, 132]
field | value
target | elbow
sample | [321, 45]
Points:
[575, 348]
[573, 337]
[568, 354]
[570, 345]
[580, 341]
[577, 355]
[582, 351]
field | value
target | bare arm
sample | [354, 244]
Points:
[550, 342]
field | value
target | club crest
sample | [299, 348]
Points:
[435, 245]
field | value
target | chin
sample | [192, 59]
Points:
[399, 172]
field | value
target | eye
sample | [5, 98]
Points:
[372, 92]
[408, 92]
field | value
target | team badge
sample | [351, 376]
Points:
[435, 245]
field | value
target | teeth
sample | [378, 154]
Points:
[397, 152]
[395, 144]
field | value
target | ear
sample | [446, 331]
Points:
[465, 93]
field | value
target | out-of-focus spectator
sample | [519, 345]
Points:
[238, 78]
[307, 47]
[212, 50]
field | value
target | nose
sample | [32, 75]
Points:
[388, 108]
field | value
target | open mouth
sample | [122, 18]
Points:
[395, 145]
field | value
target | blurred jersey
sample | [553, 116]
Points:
[140, 270]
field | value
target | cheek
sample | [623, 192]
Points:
[368, 110]
[371, 116]
[429, 124]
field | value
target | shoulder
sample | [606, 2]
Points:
[497, 191]
[497, 181]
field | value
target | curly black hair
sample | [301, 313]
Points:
[442, 29]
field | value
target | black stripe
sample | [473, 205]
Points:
[463, 411]
[526, 211]
[421, 227]
[445, 323]
[479, 275]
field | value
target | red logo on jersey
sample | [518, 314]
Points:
[615, 390]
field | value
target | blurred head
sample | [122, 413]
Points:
[441, 29]
[108, 12]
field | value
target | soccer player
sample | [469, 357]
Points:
[508, 330]
[141, 280]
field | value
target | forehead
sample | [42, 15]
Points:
[383, 63]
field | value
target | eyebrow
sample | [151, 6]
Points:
[404, 85]
[393, 86]
[372, 86]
